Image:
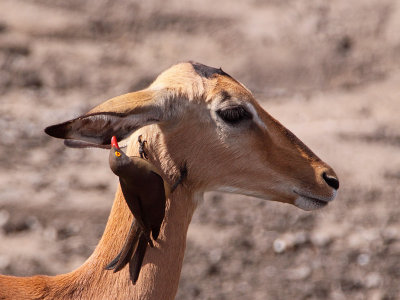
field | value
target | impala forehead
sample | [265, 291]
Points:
[213, 86]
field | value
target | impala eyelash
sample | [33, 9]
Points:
[234, 115]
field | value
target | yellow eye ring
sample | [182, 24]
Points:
[117, 153]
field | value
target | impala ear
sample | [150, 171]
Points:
[119, 116]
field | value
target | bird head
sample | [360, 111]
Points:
[117, 158]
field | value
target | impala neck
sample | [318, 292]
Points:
[160, 273]
[159, 277]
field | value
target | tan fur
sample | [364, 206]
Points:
[262, 159]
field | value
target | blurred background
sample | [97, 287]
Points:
[328, 70]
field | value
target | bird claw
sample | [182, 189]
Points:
[142, 153]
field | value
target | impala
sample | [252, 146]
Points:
[201, 120]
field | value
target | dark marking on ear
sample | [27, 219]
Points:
[61, 130]
[206, 71]
[58, 130]
[98, 128]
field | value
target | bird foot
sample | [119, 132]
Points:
[142, 153]
[146, 234]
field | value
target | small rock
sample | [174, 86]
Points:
[32, 222]
[363, 259]
[377, 295]
[50, 233]
[14, 226]
[300, 238]
[391, 234]
[320, 239]
[279, 246]
[373, 280]
[299, 273]
[212, 270]
[215, 255]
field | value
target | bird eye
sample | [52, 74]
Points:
[118, 154]
[234, 115]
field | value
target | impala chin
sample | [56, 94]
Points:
[309, 203]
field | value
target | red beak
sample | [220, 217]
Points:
[114, 142]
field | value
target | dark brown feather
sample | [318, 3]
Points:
[136, 263]
[129, 247]
[135, 205]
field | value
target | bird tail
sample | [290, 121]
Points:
[136, 245]
[129, 247]
[136, 263]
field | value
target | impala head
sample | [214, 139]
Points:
[208, 121]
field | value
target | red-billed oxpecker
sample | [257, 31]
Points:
[145, 193]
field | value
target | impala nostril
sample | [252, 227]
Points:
[332, 181]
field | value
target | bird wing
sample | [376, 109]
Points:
[152, 169]
[153, 204]
[132, 200]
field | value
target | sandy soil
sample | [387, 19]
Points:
[327, 70]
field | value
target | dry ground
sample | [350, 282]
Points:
[328, 70]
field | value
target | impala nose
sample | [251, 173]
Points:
[331, 180]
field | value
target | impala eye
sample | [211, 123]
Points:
[234, 115]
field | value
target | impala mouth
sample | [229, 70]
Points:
[309, 203]
[84, 144]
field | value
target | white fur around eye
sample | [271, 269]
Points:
[214, 106]
[256, 118]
